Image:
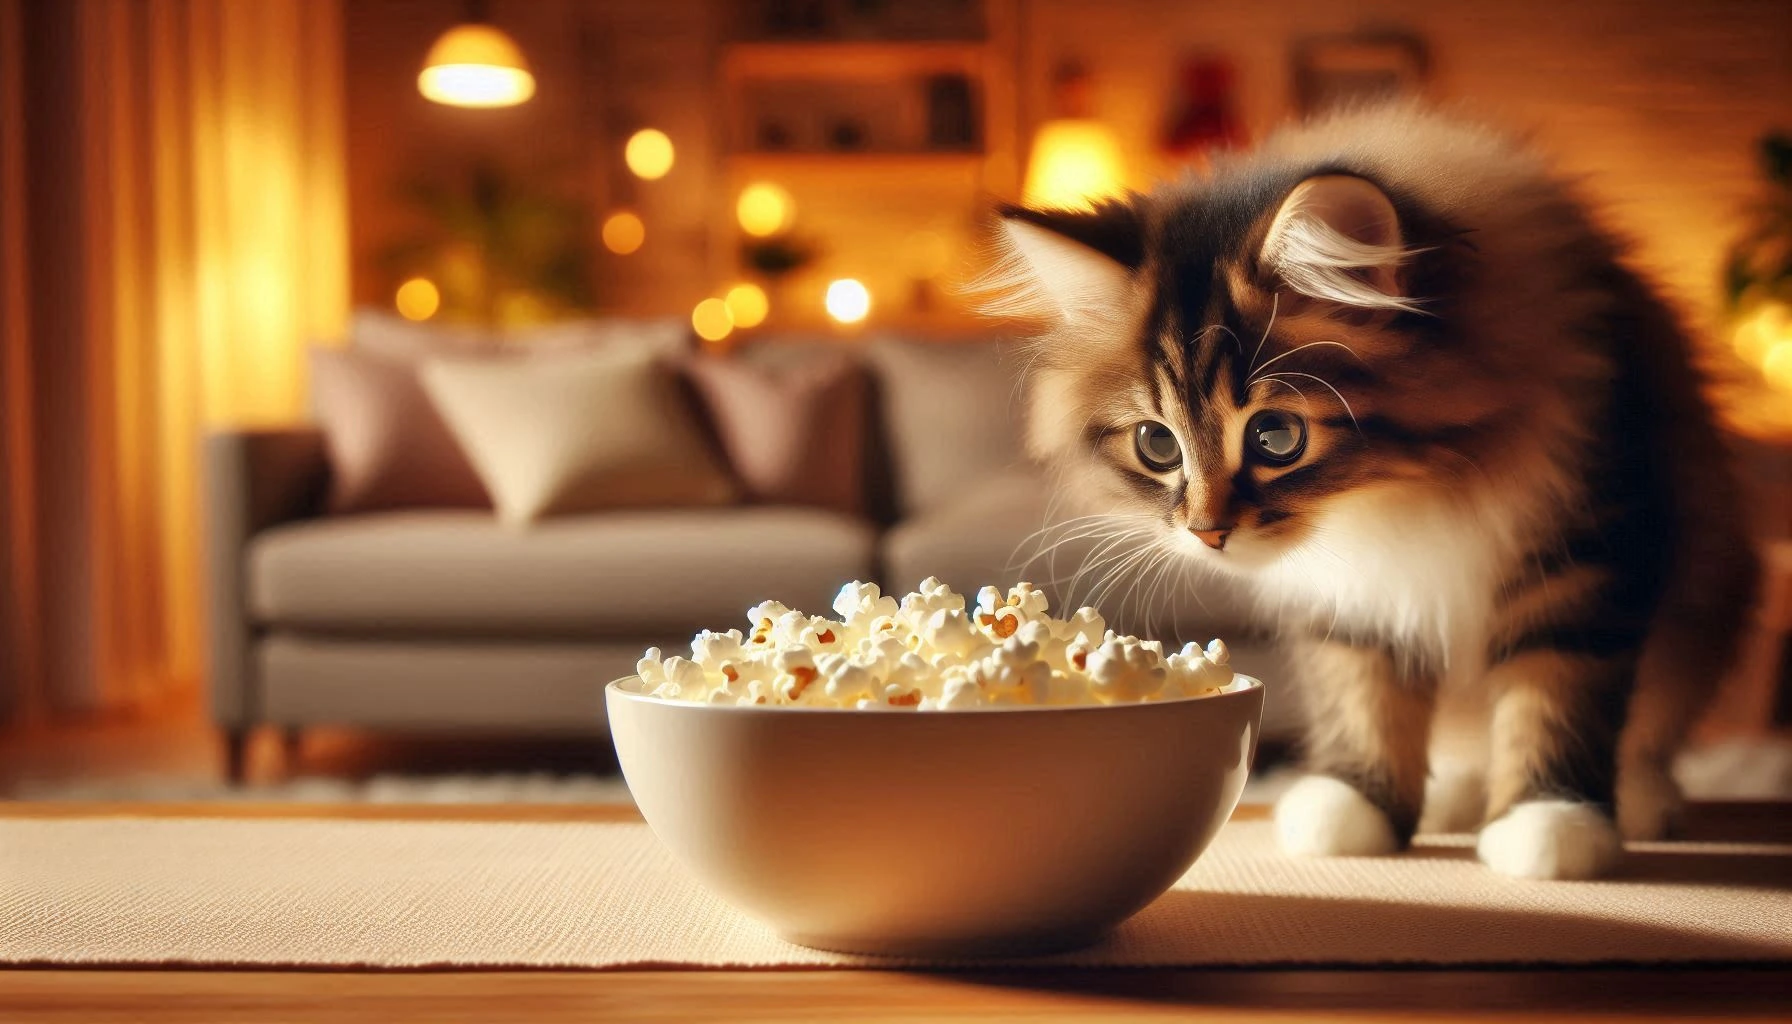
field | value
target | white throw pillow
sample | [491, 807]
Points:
[577, 433]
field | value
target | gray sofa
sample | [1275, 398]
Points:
[438, 620]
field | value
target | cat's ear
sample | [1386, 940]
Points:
[1337, 238]
[1068, 265]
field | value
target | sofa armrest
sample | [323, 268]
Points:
[254, 479]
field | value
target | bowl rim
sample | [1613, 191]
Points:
[615, 687]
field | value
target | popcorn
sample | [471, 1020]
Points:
[930, 651]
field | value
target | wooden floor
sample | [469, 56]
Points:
[177, 744]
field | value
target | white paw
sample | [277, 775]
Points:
[1550, 839]
[1455, 800]
[1648, 800]
[1322, 817]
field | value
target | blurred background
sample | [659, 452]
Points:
[381, 376]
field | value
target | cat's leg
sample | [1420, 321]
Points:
[1554, 761]
[1456, 789]
[1365, 746]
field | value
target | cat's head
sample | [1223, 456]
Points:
[1227, 354]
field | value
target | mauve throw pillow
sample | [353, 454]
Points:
[388, 446]
[795, 435]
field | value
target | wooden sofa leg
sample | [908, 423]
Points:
[291, 741]
[236, 750]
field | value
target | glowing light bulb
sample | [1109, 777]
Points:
[476, 65]
[418, 299]
[649, 154]
[623, 232]
[764, 209]
[747, 304]
[848, 301]
[1075, 161]
[711, 320]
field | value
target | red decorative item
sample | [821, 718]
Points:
[1203, 116]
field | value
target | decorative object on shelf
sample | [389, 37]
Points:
[501, 248]
[1075, 159]
[1203, 109]
[474, 64]
[1340, 70]
[861, 19]
[952, 114]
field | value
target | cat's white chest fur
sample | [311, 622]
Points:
[1418, 572]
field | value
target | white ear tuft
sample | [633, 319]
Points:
[1337, 238]
[1048, 275]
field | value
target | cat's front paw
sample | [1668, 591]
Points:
[1555, 839]
[1322, 817]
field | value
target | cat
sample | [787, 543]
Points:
[1388, 371]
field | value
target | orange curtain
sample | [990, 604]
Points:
[207, 141]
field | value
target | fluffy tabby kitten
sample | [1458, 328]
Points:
[1388, 371]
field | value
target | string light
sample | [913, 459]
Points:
[848, 301]
[711, 320]
[624, 232]
[764, 209]
[649, 154]
[418, 299]
[747, 304]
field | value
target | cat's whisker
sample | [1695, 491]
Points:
[1273, 360]
[1275, 301]
[1344, 401]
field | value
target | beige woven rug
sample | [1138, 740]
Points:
[416, 894]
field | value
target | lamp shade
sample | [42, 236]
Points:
[475, 65]
[1075, 162]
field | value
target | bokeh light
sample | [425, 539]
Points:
[1777, 366]
[747, 304]
[848, 301]
[418, 299]
[764, 209]
[711, 320]
[649, 153]
[1766, 327]
[624, 232]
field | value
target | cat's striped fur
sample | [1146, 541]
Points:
[1511, 527]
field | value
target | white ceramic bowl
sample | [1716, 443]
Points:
[937, 833]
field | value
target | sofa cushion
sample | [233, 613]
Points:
[992, 533]
[615, 574]
[949, 416]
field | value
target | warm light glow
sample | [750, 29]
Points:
[747, 305]
[649, 153]
[848, 301]
[764, 209]
[1777, 366]
[1074, 162]
[476, 66]
[418, 299]
[711, 320]
[1756, 336]
[624, 232]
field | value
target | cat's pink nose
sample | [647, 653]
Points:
[1215, 539]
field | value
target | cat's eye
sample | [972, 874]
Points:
[1157, 446]
[1276, 437]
